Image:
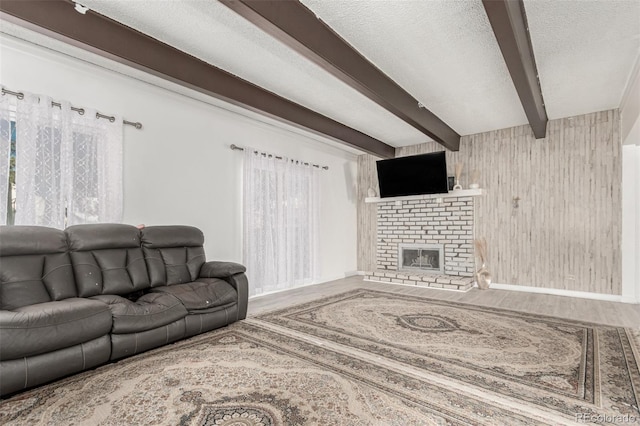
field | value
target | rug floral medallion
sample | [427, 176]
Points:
[561, 365]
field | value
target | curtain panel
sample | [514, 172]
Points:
[68, 165]
[281, 221]
[6, 107]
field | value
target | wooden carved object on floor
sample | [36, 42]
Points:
[483, 277]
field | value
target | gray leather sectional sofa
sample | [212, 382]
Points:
[72, 300]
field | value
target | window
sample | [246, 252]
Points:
[61, 167]
[281, 200]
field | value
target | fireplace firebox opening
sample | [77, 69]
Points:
[428, 258]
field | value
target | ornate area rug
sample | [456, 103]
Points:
[244, 375]
[360, 358]
[577, 370]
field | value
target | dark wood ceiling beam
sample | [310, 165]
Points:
[293, 24]
[108, 38]
[509, 22]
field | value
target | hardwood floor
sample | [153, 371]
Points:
[601, 312]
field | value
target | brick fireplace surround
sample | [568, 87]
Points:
[426, 221]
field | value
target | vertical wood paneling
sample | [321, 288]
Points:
[565, 234]
[367, 213]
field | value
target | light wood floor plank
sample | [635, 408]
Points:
[597, 311]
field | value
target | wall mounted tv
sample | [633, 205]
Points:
[413, 175]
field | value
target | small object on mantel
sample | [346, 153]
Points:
[458, 173]
[371, 193]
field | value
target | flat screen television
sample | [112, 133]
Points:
[413, 175]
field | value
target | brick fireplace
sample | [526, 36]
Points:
[436, 235]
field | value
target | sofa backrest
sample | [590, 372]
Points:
[34, 266]
[174, 254]
[107, 259]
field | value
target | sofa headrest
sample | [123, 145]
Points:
[25, 240]
[171, 236]
[102, 236]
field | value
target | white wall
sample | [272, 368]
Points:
[630, 132]
[630, 108]
[179, 169]
[631, 223]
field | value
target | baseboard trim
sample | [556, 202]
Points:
[560, 292]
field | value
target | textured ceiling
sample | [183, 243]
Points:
[212, 32]
[442, 52]
[585, 51]
[16, 37]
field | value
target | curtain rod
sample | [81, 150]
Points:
[265, 154]
[80, 111]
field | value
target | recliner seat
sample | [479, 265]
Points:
[176, 260]
[46, 331]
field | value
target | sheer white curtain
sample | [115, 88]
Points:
[281, 203]
[5, 154]
[42, 135]
[68, 165]
[95, 193]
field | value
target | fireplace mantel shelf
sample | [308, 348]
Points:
[456, 193]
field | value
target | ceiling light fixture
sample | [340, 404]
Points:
[81, 9]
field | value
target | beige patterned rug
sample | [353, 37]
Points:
[563, 367]
[359, 358]
[246, 375]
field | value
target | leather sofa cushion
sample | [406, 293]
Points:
[21, 240]
[39, 278]
[150, 311]
[102, 236]
[171, 236]
[206, 293]
[107, 259]
[110, 271]
[174, 265]
[174, 254]
[46, 327]
[35, 267]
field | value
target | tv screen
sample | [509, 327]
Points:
[413, 175]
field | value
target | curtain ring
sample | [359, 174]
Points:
[112, 119]
[80, 111]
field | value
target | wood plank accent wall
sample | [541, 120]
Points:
[566, 232]
[367, 213]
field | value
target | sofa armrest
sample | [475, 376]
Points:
[233, 273]
[216, 269]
